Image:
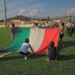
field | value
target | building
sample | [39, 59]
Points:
[19, 19]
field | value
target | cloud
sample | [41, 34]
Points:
[36, 12]
[44, 4]
[11, 5]
[33, 12]
[29, 0]
[1, 5]
[39, 5]
[26, 0]
[2, 14]
[42, 10]
[9, 14]
[17, 3]
[21, 11]
[71, 11]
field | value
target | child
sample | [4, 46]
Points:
[61, 34]
[24, 48]
[13, 30]
[51, 52]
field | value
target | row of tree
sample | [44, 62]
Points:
[43, 19]
[2, 20]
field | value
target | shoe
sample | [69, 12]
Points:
[48, 60]
[25, 57]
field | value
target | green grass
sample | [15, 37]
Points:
[5, 38]
[14, 63]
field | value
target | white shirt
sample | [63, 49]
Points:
[59, 24]
[46, 24]
[38, 25]
[69, 24]
[24, 48]
[33, 25]
[72, 25]
[43, 25]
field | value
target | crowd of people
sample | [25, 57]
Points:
[52, 53]
[45, 25]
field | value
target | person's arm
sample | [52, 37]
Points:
[48, 53]
[31, 48]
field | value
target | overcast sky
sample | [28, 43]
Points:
[37, 8]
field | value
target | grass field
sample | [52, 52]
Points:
[14, 63]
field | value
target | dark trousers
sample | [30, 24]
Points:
[69, 31]
[72, 30]
[24, 53]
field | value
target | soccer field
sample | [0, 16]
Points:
[14, 63]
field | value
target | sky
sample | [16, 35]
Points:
[37, 8]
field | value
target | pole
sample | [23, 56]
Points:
[65, 14]
[5, 13]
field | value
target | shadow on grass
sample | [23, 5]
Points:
[36, 56]
[11, 58]
[66, 45]
[21, 57]
[69, 43]
[2, 51]
[66, 57]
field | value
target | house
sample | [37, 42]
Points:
[57, 20]
[19, 19]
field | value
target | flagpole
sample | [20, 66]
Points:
[5, 12]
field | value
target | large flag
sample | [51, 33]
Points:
[39, 39]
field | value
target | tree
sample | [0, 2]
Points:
[38, 19]
[2, 20]
[48, 18]
[34, 18]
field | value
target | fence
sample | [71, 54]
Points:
[20, 25]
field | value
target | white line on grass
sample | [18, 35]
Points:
[4, 54]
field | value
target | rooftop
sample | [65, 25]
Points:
[17, 17]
